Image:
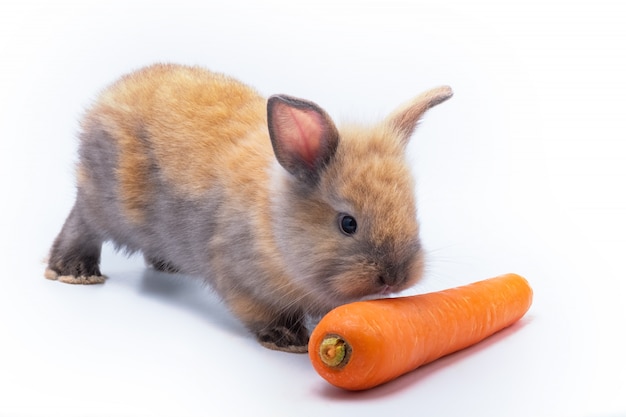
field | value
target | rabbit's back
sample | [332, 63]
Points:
[187, 127]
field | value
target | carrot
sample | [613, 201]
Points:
[364, 344]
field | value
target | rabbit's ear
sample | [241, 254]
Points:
[303, 136]
[404, 119]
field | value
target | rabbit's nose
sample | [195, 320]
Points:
[385, 289]
[387, 280]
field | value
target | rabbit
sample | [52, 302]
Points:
[283, 213]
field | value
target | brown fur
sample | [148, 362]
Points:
[187, 144]
[206, 177]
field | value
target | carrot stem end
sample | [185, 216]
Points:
[334, 351]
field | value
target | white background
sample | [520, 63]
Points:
[523, 171]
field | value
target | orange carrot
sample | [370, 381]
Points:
[364, 344]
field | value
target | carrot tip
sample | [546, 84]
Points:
[334, 351]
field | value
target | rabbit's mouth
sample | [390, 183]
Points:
[386, 290]
[383, 292]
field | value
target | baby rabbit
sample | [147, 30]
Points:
[283, 213]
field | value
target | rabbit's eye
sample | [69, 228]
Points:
[347, 224]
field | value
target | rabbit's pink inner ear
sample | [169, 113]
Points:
[299, 131]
